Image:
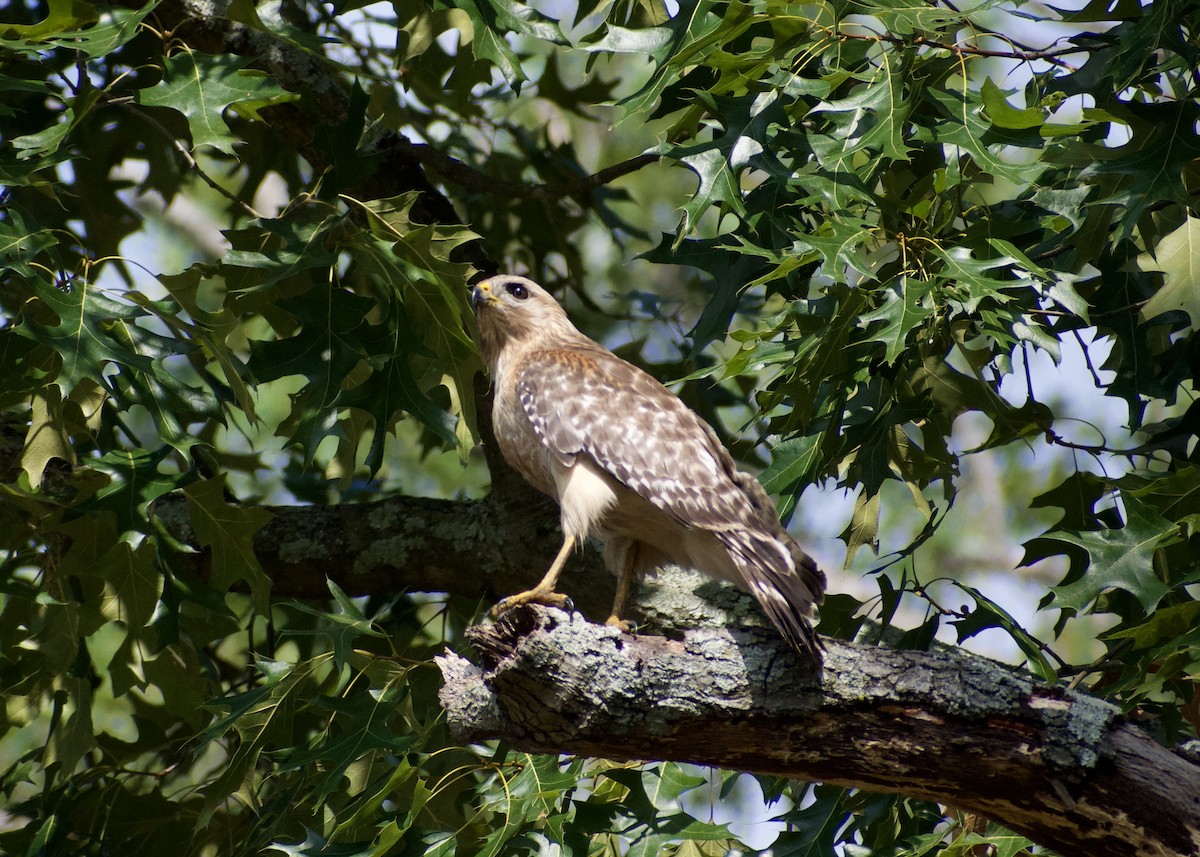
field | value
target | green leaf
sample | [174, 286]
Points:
[73, 25]
[342, 627]
[1121, 558]
[973, 276]
[90, 332]
[47, 436]
[84, 331]
[72, 736]
[358, 724]
[1166, 623]
[871, 119]
[132, 583]
[22, 241]
[228, 531]
[1150, 167]
[62, 16]
[1177, 255]
[1077, 495]
[1175, 496]
[415, 261]
[1065, 202]
[323, 350]
[420, 26]
[261, 717]
[683, 41]
[1003, 114]
[906, 305]
[964, 126]
[838, 242]
[904, 17]
[718, 185]
[135, 479]
[45, 143]
[989, 614]
[113, 28]
[863, 529]
[203, 86]
[793, 463]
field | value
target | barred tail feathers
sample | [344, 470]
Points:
[784, 580]
[811, 576]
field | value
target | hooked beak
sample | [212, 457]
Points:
[481, 294]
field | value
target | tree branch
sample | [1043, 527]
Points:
[472, 179]
[482, 549]
[1059, 767]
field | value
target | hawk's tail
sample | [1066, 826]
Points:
[784, 580]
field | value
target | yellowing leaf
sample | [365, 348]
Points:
[132, 583]
[47, 436]
[1178, 257]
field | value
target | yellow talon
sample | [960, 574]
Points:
[615, 621]
[537, 595]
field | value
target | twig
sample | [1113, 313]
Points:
[188, 159]
[1018, 53]
[472, 179]
[1087, 359]
[1028, 373]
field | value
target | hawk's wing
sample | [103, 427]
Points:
[589, 401]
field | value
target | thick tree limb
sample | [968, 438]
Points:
[1060, 767]
[480, 549]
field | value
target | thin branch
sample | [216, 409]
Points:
[1049, 55]
[1087, 359]
[1028, 374]
[468, 177]
[188, 159]
[1094, 449]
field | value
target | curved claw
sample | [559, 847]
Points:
[536, 595]
[620, 624]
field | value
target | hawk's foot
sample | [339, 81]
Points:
[615, 621]
[537, 595]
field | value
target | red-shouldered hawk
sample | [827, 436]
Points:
[629, 462]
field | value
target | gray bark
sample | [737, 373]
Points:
[1060, 767]
[481, 549]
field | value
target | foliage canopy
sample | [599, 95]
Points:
[234, 240]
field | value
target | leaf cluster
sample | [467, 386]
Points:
[233, 257]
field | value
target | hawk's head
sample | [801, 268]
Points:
[516, 309]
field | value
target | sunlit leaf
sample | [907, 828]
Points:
[203, 87]
[1178, 257]
[1115, 557]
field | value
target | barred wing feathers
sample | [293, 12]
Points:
[587, 401]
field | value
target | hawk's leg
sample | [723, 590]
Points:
[624, 583]
[544, 592]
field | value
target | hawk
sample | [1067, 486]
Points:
[630, 463]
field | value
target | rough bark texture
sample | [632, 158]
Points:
[474, 548]
[1061, 768]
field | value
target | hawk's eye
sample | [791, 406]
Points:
[517, 291]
